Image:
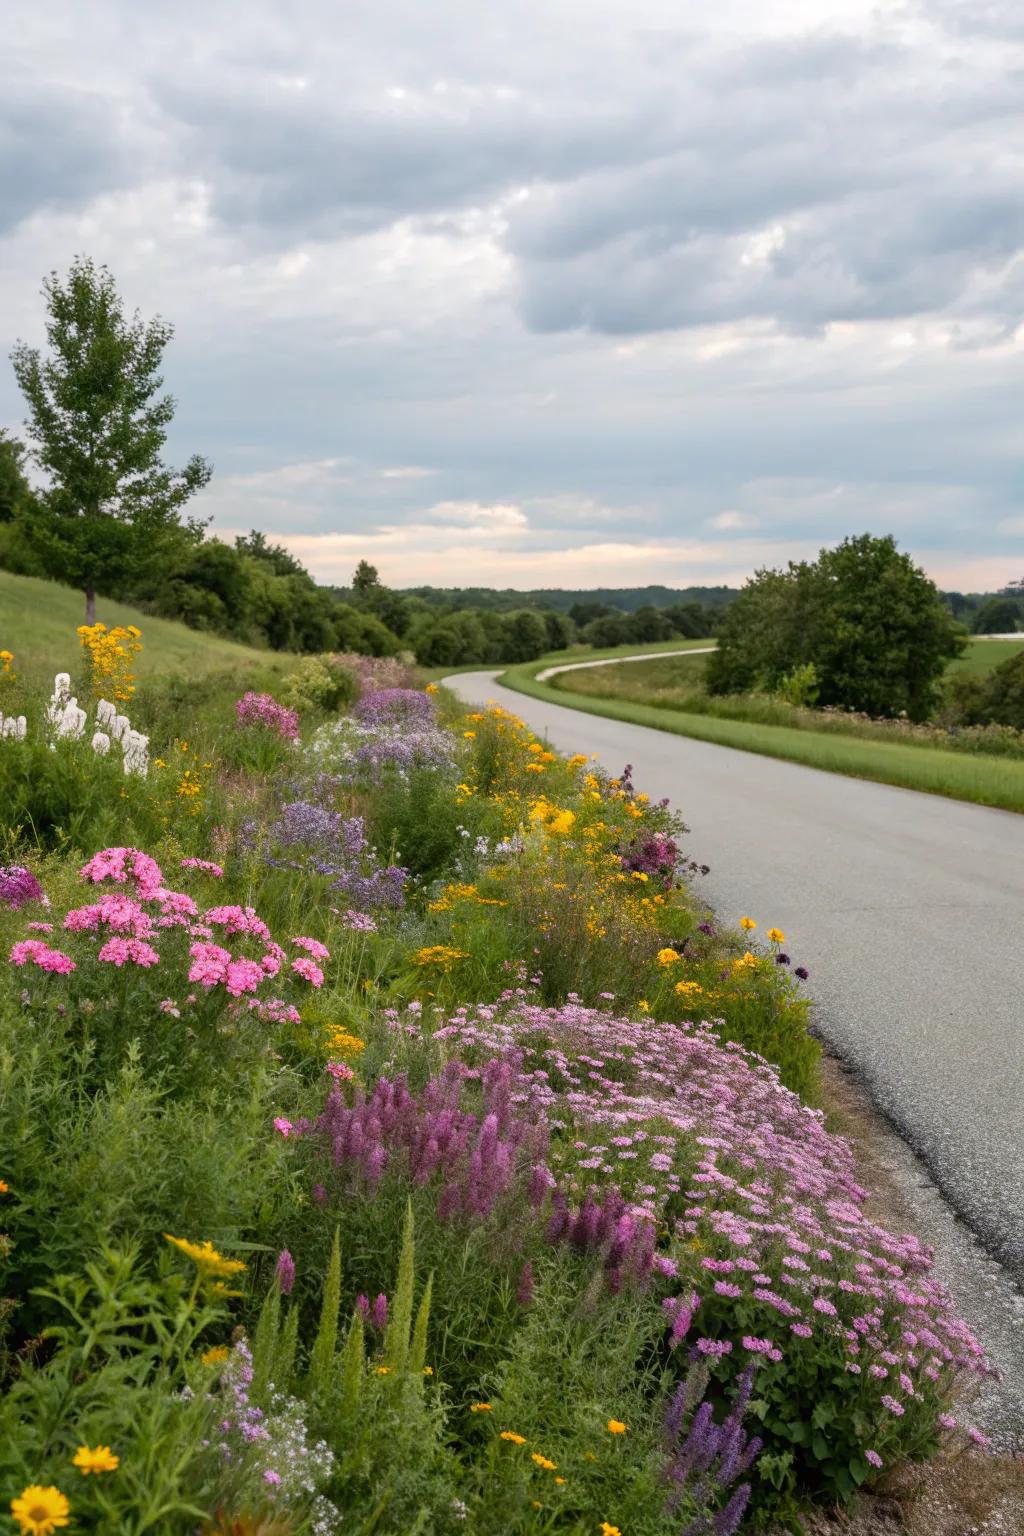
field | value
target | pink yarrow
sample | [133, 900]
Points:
[313, 947]
[204, 866]
[309, 971]
[118, 951]
[122, 865]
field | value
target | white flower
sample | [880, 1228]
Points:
[101, 743]
[119, 727]
[106, 713]
[62, 685]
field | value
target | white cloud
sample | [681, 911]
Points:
[731, 519]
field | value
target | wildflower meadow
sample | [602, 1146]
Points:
[392, 1141]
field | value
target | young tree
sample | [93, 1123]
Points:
[97, 424]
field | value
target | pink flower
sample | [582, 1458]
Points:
[42, 955]
[122, 865]
[119, 952]
[283, 1127]
[313, 947]
[892, 1405]
[243, 976]
[309, 971]
[340, 1071]
[802, 1330]
[874, 1458]
[726, 1288]
[176, 909]
[39, 927]
[168, 1005]
[209, 964]
[238, 920]
[204, 866]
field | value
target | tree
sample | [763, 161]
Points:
[365, 578]
[97, 424]
[872, 624]
[16, 494]
[997, 616]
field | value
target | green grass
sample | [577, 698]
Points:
[38, 620]
[960, 776]
[982, 655]
[574, 653]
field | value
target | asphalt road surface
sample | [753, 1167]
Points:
[908, 911]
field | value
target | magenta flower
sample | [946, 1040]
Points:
[284, 1272]
[309, 971]
[283, 1127]
[42, 955]
[313, 947]
[118, 951]
[873, 1458]
[204, 866]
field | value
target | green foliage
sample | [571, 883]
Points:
[869, 620]
[97, 426]
[800, 687]
[319, 684]
[997, 616]
[321, 1360]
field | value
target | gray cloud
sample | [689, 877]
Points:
[59, 148]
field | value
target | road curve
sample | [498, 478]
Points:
[908, 911]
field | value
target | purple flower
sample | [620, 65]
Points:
[395, 706]
[18, 886]
[524, 1285]
[284, 1273]
[802, 972]
[379, 1313]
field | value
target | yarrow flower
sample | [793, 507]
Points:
[42, 955]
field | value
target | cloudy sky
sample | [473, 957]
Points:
[556, 292]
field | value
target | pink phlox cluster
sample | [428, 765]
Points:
[40, 954]
[122, 865]
[274, 1010]
[176, 910]
[262, 709]
[120, 951]
[122, 914]
[308, 970]
[312, 947]
[204, 866]
[272, 959]
[238, 920]
[209, 964]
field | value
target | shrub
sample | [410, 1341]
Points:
[320, 683]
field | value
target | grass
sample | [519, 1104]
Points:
[982, 655]
[38, 620]
[959, 776]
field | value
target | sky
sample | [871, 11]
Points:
[558, 292]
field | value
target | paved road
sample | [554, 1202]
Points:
[907, 909]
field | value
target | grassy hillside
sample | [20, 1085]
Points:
[983, 654]
[38, 620]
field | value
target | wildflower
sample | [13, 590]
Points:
[747, 924]
[428, 1370]
[283, 1127]
[100, 1460]
[560, 1481]
[205, 1256]
[893, 1406]
[469, 735]
[215, 1355]
[340, 1071]
[688, 989]
[284, 1272]
[40, 1511]
[309, 971]
[667, 956]
[609, 1530]
[431, 688]
[616, 1427]
[383, 1370]
[5, 1188]
[480, 1408]
[542, 1461]
[644, 1005]
[313, 947]
[802, 972]
[873, 1458]
[776, 936]
[511, 1436]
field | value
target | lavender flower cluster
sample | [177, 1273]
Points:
[404, 707]
[311, 837]
[655, 855]
[273, 1449]
[706, 1461]
[365, 754]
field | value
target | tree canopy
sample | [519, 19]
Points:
[869, 621]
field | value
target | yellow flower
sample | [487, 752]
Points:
[102, 1459]
[215, 1356]
[535, 767]
[206, 1257]
[341, 1042]
[560, 1481]
[644, 1005]
[776, 936]
[383, 1370]
[542, 1461]
[747, 924]
[535, 746]
[667, 956]
[480, 1408]
[431, 688]
[4, 1187]
[469, 735]
[40, 1511]
[616, 1427]
[511, 1436]
[609, 1530]
[688, 988]
[428, 1370]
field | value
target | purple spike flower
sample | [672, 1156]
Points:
[285, 1272]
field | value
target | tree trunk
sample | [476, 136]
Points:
[90, 606]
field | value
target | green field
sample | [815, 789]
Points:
[38, 620]
[961, 776]
[982, 655]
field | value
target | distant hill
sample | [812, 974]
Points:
[626, 599]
